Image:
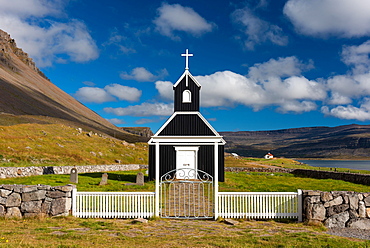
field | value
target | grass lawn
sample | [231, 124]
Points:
[66, 232]
[241, 181]
[73, 232]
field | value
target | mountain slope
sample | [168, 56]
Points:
[24, 90]
[350, 141]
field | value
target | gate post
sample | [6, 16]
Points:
[216, 180]
[74, 201]
[300, 205]
[156, 213]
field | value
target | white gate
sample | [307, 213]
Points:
[186, 193]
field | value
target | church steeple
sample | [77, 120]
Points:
[186, 89]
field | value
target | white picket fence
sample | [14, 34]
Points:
[113, 204]
[260, 205]
[257, 205]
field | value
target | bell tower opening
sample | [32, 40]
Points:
[186, 96]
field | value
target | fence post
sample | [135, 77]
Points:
[156, 213]
[300, 205]
[216, 181]
[74, 201]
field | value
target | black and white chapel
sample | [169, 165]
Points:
[186, 140]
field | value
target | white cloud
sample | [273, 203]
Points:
[355, 84]
[93, 94]
[282, 67]
[41, 28]
[345, 18]
[337, 99]
[265, 85]
[349, 112]
[37, 8]
[228, 88]
[141, 74]
[357, 57]
[256, 30]
[108, 94]
[123, 92]
[165, 89]
[295, 88]
[297, 107]
[346, 87]
[172, 18]
[144, 109]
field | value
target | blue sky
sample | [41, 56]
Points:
[263, 65]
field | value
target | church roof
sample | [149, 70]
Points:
[187, 73]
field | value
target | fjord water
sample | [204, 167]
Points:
[349, 164]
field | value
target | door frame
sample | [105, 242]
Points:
[191, 172]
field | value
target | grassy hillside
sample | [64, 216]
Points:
[60, 144]
[25, 91]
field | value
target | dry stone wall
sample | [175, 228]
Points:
[345, 176]
[25, 201]
[337, 209]
[8, 172]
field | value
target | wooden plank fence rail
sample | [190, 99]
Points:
[113, 204]
[260, 205]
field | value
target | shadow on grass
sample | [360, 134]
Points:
[114, 176]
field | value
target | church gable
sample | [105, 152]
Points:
[187, 125]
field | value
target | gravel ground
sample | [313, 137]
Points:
[350, 233]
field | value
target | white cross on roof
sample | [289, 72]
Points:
[187, 55]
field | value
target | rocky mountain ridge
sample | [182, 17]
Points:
[8, 46]
[349, 141]
[26, 91]
[141, 131]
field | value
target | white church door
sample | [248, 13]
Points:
[186, 162]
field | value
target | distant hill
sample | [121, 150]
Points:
[350, 141]
[27, 96]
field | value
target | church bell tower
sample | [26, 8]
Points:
[187, 90]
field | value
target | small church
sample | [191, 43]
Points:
[186, 141]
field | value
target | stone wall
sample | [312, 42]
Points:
[7, 172]
[337, 209]
[345, 176]
[259, 169]
[24, 201]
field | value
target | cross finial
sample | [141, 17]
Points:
[187, 55]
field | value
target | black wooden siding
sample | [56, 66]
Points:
[194, 89]
[168, 160]
[186, 125]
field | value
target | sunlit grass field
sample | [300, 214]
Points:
[74, 232]
[241, 182]
[59, 144]
[71, 232]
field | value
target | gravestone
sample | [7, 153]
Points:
[104, 179]
[74, 176]
[140, 178]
